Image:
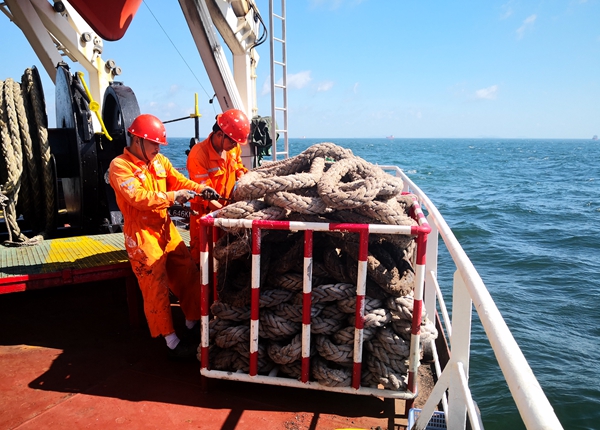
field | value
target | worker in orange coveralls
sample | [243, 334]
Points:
[216, 162]
[146, 184]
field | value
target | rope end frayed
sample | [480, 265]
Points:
[27, 242]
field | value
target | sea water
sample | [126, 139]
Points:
[527, 213]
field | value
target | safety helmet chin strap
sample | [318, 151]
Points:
[143, 148]
[222, 146]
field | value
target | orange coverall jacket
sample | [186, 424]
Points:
[158, 255]
[206, 167]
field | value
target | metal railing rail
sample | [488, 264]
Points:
[468, 291]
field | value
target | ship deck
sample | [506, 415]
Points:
[71, 357]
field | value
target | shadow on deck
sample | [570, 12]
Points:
[69, 358]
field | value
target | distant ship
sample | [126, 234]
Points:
[391, 136]
[595, 137]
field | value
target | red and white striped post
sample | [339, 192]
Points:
[361, 289]
[421, 232]
[307, 304]
[255, 299]
[204, 294]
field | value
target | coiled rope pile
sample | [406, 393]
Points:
[325, 183]
[26, 178]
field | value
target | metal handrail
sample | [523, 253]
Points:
[532, 403]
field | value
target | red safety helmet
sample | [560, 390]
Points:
[150, 128]
[234, 124]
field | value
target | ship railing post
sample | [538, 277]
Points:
[460, 342]
[429, 298]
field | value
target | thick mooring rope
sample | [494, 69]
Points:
[325, 183]
[25, 153]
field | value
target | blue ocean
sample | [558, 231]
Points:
[527, 213]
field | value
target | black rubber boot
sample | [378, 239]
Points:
[185, 350]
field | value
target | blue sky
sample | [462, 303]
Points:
[372, 68]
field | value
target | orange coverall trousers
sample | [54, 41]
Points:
[158, 255]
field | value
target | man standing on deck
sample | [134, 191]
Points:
[216, 162]
[146, 184]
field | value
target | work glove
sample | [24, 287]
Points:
[182, 196]
[209, 194]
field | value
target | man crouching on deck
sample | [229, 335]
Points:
[146, 184]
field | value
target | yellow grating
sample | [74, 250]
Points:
[54, 255]
[58, 254]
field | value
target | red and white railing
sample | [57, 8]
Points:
[208, 236]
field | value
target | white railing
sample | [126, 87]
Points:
[468, 291]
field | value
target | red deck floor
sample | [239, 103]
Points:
[69, 359]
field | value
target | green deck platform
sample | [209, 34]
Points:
[64, 261]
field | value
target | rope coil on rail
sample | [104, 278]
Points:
[325, 183]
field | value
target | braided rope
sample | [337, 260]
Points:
[348, 305]
[297, 203]
[286, 353]
[403, 328]
[288, 281]
[386, 376]
[233, 245]
[288, 258]
[216, 325]
[37, 105]
[345, 336]
[393, 343]
[271, 298]
[330, 320]
[223, 359]
[10, 133]
[271, 213]
[401, 307]
[11, 147]
[228, 312]
[387, 212]
[341, 354]
[241, 209]
[275, 327]
[242, 362]
[293, 369]
[30, 185]
[393, 362]
[256, 184]
[348, 195]
[374, 318]
[331, 376]
[231, 336]
[332, 292]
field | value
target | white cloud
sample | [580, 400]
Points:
[527, 24]
[325, 86]
[355, 89]
[173, 89]
[507, 10]
[488, 93]
[298, 80]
